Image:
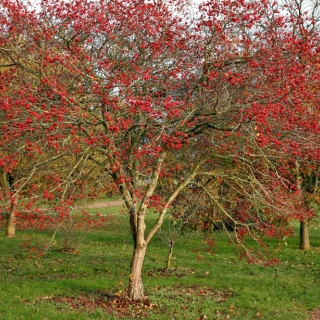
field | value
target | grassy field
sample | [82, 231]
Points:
[89, 283]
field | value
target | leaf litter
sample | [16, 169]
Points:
[121, 306]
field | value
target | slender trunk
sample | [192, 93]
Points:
[136, 288]
[10, 230]
[11, 223]
[171, 245]
[304, 234]
[304, 223]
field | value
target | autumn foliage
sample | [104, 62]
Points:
[207, 111]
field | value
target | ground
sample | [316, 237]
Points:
[103, 204]
[121, 305]
[315, 315]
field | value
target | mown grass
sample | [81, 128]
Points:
[200, 285]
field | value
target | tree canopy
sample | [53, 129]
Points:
[170, 107]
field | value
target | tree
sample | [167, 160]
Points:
[307, 184]
[132, 89]
[307, 18]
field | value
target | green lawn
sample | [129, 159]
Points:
[89, 283]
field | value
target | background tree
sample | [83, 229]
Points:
[306, 22]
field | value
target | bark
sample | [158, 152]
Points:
[136, 288]
[304, 223]
[171, 245]
[304, 234]
[137, 224]
[10, 227]
[11, 224]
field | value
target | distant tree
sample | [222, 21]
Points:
[306, 166]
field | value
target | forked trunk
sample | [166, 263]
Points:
[304, 234]
[136, 288]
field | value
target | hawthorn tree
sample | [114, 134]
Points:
[271, 75]
[40, 163]
[299, 141]
[306, 169]
[163, 104]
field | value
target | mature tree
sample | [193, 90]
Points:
[305, 163]
[146, 95]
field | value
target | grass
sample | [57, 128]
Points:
[112, 198]
[89, 283]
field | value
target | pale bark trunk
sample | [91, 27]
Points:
[137, 223]
[10, 230]
[136, 288]
[11, 224]
[10, 227]
[304, 234]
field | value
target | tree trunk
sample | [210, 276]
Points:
[170, 254]
[10, 231]
[11, 224]
[302, 184]
[136, 289]
[137, 223]
[304, 234]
